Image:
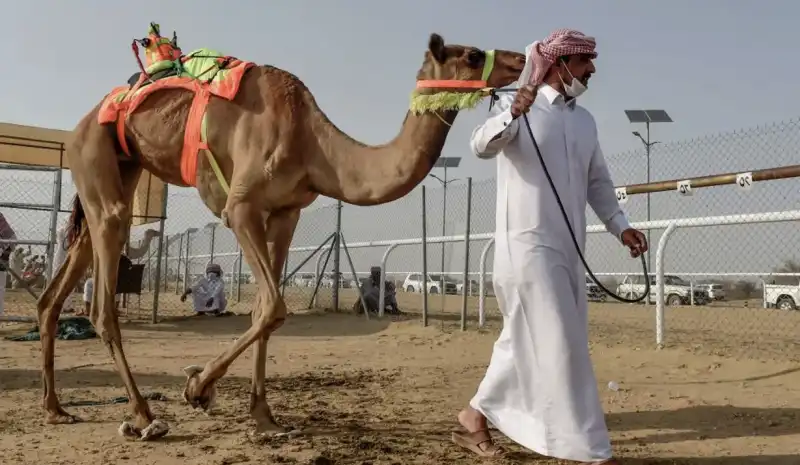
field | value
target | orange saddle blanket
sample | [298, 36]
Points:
[204, 72]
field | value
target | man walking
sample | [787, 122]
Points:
[540, 389]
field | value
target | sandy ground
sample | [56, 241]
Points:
[725, 391]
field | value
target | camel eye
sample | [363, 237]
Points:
[475, 58]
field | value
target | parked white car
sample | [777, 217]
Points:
[677, 291]
[473, 287]
[328, 279]
[715, 291]
[782, 296]
[413, 283]
[303, 280]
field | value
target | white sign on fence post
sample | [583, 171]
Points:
[685, 187]
[744, 181]
[622, 194]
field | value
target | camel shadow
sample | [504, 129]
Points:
[312, 324]
[706, 422]
[87, 378]
[407, 440]
[749, 379]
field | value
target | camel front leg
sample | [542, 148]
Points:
[280, 229]
[49, 308]
[247, 223]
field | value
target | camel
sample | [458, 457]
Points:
[277, 151]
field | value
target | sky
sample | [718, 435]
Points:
[715, 66]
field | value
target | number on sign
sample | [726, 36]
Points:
[622, 194]
[744, 181]
[685, 187]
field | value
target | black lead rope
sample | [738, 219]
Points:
[569, 225]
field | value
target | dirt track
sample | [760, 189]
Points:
[386, 392]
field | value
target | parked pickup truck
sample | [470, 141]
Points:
[781, 296]
[677, 291]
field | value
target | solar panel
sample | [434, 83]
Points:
[648, 116]
[658, 116]
[447, 162]
[637, 116]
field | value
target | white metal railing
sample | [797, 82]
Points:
[751, 218]
[669, 227]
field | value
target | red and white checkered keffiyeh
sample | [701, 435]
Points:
[541, 55]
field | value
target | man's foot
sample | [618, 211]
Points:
[479, 442]
[477, 438]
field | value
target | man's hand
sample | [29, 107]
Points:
[523, 101]
[634, 240]
[210, 302]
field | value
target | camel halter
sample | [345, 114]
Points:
[421, 103]
[488, 67]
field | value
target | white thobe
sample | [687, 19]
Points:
[540, 389]
[205, 289]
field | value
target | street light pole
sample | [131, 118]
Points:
[647, 117]
[444, 231]
[647, 146]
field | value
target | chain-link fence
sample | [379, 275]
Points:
[730, 267]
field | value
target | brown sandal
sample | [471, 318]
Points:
[474, 441]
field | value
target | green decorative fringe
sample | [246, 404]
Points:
[422, 103]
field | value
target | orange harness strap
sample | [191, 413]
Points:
[192, 138]
[122, 117]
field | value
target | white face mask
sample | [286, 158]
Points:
[211, 276]
[575, 89]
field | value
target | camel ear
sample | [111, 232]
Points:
[437, 48]
[192, 370]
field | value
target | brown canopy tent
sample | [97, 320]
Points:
[31, 145]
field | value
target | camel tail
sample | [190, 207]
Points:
[75, 221]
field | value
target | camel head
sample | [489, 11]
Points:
[456, 77]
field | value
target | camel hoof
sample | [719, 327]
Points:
[62, 418]
[260, 437]
[207, 398]
[127, 430]
[155, 430]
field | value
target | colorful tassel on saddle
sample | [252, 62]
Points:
[159, 48]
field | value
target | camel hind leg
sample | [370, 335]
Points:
[49, 308]
[107, 200]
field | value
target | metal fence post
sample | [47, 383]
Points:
[160, 251]
[49, 271]
[336, 257]
[178, 264]
[166, 265]
[424, 262]
[186, 262]
[466, 288]
[239, 276]
[212, 243]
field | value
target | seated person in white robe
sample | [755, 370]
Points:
[208, 293]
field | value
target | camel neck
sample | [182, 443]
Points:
[361, 174]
